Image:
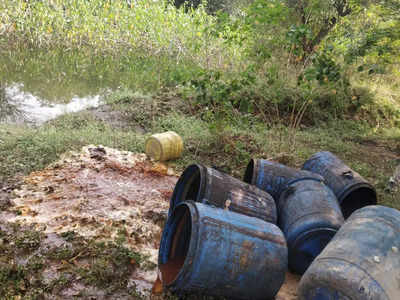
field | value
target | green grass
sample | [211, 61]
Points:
[24, 149]
[24, 257]
[373, 153]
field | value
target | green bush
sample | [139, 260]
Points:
[107, 26]
[271, 58]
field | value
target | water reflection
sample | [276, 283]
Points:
[54, 81]
[18, 106]
[9, 113]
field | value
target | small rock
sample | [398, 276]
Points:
[395, 249]
[97, 153]
[49, 189]
[377, 259]
[394, 181]
[4, 200]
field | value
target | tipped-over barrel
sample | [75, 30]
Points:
[209, 186]
[309, 216]
[351, 190]
[362, 262]
[212, 251]
[274, 177]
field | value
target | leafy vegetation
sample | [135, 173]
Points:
[236, 79]
[314, 59]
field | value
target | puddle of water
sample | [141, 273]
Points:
[23, 107]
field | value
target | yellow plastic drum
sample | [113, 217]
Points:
[164, 146]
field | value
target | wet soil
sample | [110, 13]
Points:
[288, 290]
[4, 200]
[6, 191]
[99, 194]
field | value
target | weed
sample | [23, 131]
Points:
[106, 265]
[152, 27]
[62, 253]
[35, 264]
[57, 283]
[110, 265]
[13, 280]
[29, 240]
[68, 235]
[25, 149]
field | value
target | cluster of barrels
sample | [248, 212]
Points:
[236, 239]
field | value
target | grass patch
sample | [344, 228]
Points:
[227, 145]
[24, 149]
[106, 265]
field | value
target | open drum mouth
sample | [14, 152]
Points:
[192, 184]
[356, 198]
[177, 244]
[188, 186]
[248, 175]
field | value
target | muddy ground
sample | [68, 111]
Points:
[97, 208]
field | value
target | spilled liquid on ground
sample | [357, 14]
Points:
[99, 193]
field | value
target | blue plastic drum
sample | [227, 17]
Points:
[351, 189]
[362, 262]
[212, 251]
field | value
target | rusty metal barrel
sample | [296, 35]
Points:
[209, 186]
[351, 189]
[309, 216]
[362, 262]
[212, 251]
[274, 177]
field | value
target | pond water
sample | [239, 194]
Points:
[40, 84]
[18, 106]
[37, 86]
